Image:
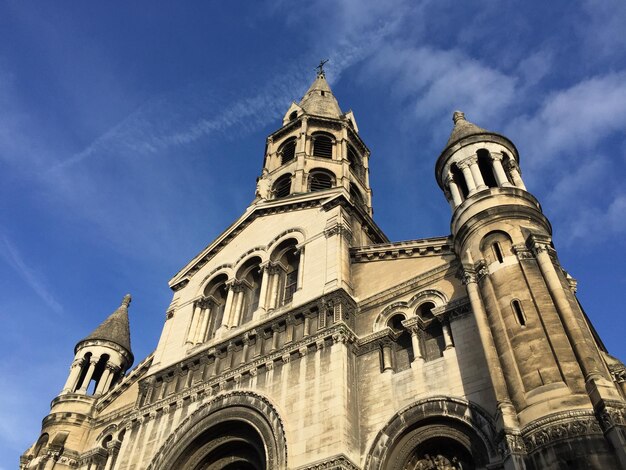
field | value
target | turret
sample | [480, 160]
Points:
[318, 148]
[542, 354]
[103, 357]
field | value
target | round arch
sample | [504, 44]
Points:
[389, 311]
[436, 424]
[242, 426]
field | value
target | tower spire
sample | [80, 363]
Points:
[115, 328]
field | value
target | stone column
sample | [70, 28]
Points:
[415, 343]
[77, 366]
[387, 360]
[275, 278]
[236, 313]
[457, 199]
[113, 448]
[193, 326]
[478, 176]
[51, 461]
[467, 174]
[515, 175]
[265, 278]
[275, 333]
[228, 306]
[205, 317]
[307, 325]
[113, 370]
[498, 170]
[582, 344]
[104, 379]
[447, 336]
[88, 375]
[489, 348]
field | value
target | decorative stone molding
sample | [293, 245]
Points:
[558, 427]
[336, 462]
[613, 414]
[511, 444]
[522, 252]
[339, 228]
[406, 249]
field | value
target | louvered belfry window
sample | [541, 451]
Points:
[355, 162]
[287, 151]
[319, 181]
[282, 188]
[322, 146]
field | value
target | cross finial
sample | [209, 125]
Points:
[320, 68]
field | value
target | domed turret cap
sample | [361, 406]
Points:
[115, 328]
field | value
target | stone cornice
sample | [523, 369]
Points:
[423, 247]
[338, 333]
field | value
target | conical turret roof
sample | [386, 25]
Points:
[115, 328]
[463, 128]
[319, 99]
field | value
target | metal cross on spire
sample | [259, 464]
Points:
[320, 68]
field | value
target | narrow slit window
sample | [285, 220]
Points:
[519, 313]
[498, 252]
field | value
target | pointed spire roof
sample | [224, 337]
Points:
[463, 128]
[319, 99]
[115, 328]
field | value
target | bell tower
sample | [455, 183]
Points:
[317, 148]
[543, 354]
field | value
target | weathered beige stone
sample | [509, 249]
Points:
[303, 338]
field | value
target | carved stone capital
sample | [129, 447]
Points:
[468, 275]
[522, 252]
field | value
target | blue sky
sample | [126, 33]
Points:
[131, 135]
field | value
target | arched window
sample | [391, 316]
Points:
[106, 440]
[287, 151]
[355, 194]
[282, 187]
[216, 291]
[356, 162]
[495, 247]
[322, 145]
[83, 372]
[433, 343]
[403, 350]
[516, 305]
[287, 257]
[459, 179]
[40, 447]
[320, 180]
[250, 276]
[486, 168]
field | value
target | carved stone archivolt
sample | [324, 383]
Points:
[454, 421]
[245, 407]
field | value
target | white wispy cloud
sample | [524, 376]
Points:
[13, 257]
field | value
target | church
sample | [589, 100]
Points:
[303, 338]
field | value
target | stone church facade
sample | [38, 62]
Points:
[302, 338]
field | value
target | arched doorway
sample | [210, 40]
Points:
[235, 431]
[438, 433]
[231, 444]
